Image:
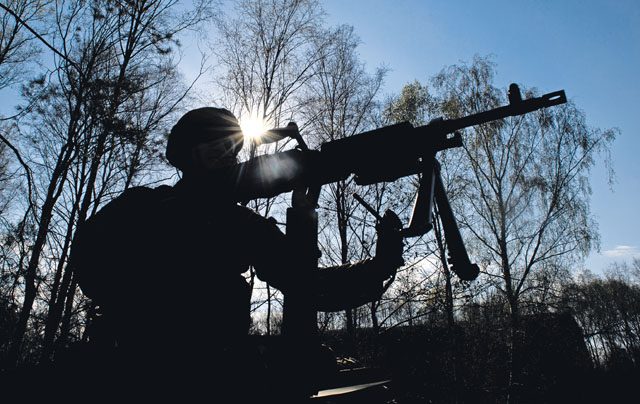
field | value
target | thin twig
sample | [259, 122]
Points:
[38, 36]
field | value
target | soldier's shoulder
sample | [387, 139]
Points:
[132, 201]
[251, 217]
[142, 194]
[146, 192]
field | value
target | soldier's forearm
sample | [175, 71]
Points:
[348, 286]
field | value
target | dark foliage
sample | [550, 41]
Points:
[469, 364]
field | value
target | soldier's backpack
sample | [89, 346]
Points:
[106, 242]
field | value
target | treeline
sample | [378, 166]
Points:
[607, 311]
[560, 361]
[88, 119]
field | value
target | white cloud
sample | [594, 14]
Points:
[622, 251]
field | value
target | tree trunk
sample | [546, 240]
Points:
[448, 305]
[55, 303]
[55, 188]
[65, 326]
[514, 353]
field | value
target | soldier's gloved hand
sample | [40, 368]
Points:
[390, 245]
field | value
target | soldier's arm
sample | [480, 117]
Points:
[335, 288]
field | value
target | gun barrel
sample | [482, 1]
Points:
[515, 107]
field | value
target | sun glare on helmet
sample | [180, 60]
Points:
[252, 127]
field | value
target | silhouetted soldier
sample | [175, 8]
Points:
[165, 267]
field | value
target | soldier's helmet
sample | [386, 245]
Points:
[204, 136]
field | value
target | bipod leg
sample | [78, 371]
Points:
[421, 220]
[458, 257]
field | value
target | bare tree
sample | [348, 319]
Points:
[18, 46]
[416, 105]
[608, 311]
[341, 99]
[18, 52]
[91, 128]
[525, 195]
[266, 50]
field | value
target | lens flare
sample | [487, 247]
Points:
[253, 127]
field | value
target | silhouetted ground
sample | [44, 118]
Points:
[426, 364]
[430, 364]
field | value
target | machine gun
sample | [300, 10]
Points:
[384, 154]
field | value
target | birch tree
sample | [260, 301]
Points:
[524, 196]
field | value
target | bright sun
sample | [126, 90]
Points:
[252, 127]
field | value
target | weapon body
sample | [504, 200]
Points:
[381, 155]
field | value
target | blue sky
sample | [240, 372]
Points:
[589, 48]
